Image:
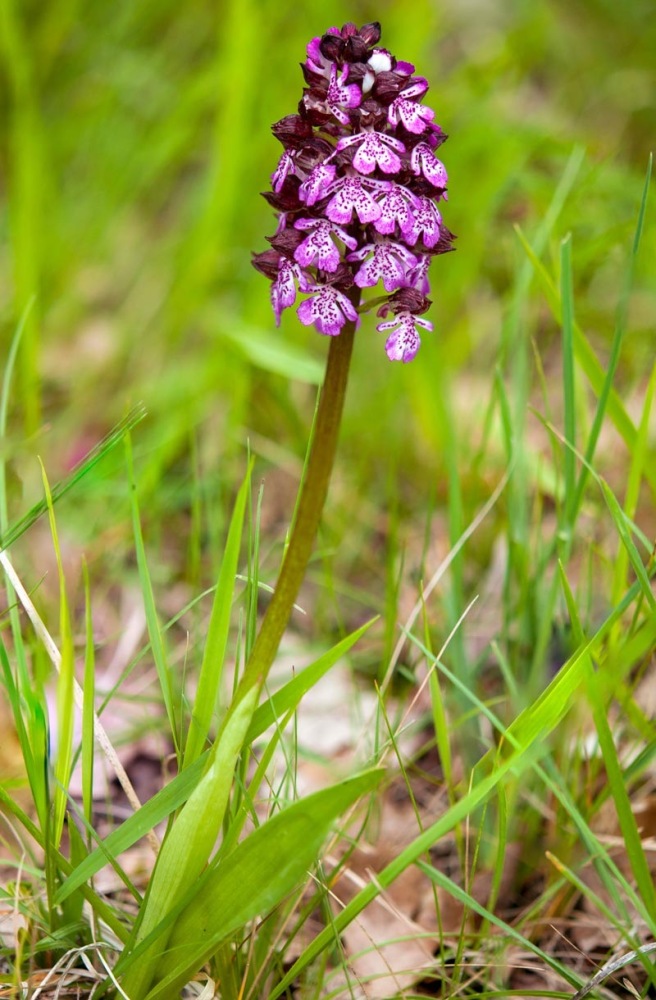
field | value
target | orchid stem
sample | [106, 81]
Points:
[314, 490]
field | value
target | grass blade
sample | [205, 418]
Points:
[88, 701]
[190, 841]
[569, 400]
[158, 808]
[637, 468]
[60, 489]
[65, 687]
[616, 346]
[531, 725]
[154, 631]
[211, 670]
[258, 347]
[620, 521]
[616, 780]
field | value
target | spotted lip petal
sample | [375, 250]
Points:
[398, 207]
[318, 247]
[375, 149]
[327, 309]
[356, 190]
[351, 195]
[404, 340]
[402, 345]
[340, 93]
[390, 261]
[424, 162]
[415, 117]
[426, 222]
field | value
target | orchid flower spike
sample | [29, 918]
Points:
[356, 191]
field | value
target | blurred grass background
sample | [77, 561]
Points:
[134, 143]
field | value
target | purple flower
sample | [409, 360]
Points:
[283, 290]
[415, 117]
[316, 61]
[338, 99]
[375, 149]
[318, 246]
[356, 191]
[283, 170]
[328, 309]
[398, 206]
[418, 275]
[425, 221]
[423, 161]
[341, 96]
[390, 261]
[403, 343]
[350, 193]
[314, 186]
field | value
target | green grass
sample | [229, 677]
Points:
[485, 561]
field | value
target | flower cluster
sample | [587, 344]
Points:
[356, 191]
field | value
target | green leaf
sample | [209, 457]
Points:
[637, 469]
[189, 842]
[609, 399]
[457, 892]
[635, 851]
[136, 826]
[88, 721]
[255, 877]
[616, 346]
[72, 911]
[569, 399]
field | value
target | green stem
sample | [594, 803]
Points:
[308, 513]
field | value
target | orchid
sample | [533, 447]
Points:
[356, 191]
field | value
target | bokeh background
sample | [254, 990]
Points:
[134, 144]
